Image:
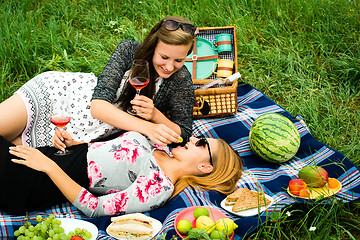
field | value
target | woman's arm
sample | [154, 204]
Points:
[158, 133]
[135, 198]
[34, 159]
[147, 110]
[177, 98]
[110, 79]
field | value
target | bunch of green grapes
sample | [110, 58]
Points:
[48, 229]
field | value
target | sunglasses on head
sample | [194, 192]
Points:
[202, 142]
[173, 25]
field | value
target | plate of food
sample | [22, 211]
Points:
[332, 187]
[188, 213]
[133, 226]
[245, 202]
[70, 224]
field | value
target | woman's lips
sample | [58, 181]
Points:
[165, 71]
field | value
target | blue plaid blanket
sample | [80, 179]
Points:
[271, 178]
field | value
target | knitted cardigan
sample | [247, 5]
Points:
[175, 97]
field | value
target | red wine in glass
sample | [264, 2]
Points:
[60, 121]
[139, 83]
[60, 117]
[139, 78]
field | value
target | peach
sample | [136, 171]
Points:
[304, 193]
[295, 185]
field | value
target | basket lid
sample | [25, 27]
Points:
[205, 57]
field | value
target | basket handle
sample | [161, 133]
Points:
[201, 100]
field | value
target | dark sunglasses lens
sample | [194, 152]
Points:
[188, 28]
[171, 25]
[201, 142]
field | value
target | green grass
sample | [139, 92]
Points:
[303, 54]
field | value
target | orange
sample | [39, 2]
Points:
[333, 183]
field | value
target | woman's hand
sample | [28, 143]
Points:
[36, 160]
[144, 106]
[32, 158]
[62, 139]
[162, 135]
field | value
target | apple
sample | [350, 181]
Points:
[295, 185]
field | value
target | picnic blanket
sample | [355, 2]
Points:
[258, 174]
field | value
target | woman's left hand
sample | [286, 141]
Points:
[144, 106]
[32, 158]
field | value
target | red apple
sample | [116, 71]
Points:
[304, 193]
[295, 185]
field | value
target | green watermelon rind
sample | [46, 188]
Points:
[265, 142]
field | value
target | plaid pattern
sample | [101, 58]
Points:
[271, 178]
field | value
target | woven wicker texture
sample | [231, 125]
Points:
[216, 101]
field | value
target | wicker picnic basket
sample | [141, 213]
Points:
[214, 101]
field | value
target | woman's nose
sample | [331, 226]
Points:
[170, 67]
[193, 139]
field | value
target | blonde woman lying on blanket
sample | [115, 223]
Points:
[126, 174]
[97, 103]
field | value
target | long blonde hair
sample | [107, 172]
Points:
[227, 171]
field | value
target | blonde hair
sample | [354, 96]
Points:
[227, 171]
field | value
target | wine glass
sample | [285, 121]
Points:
[139, 78]
[60, 117]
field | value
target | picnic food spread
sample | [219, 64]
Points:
[313, 183]
[131, 226]
[243, 199]
[274, 138]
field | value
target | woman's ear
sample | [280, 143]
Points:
[205, 168]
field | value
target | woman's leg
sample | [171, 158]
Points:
[13, 119]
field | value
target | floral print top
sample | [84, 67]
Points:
[124, 177]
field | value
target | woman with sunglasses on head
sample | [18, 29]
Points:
[126, 174]
[97, 104]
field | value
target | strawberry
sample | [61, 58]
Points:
[76, 238]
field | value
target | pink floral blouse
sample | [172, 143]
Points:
[124, 177]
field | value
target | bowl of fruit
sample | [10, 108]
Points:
[200, 222]
[313, 182]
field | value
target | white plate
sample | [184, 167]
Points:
[157, 225]
[249, 212]
[69, 224]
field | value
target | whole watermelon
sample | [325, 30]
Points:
[274, 138]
